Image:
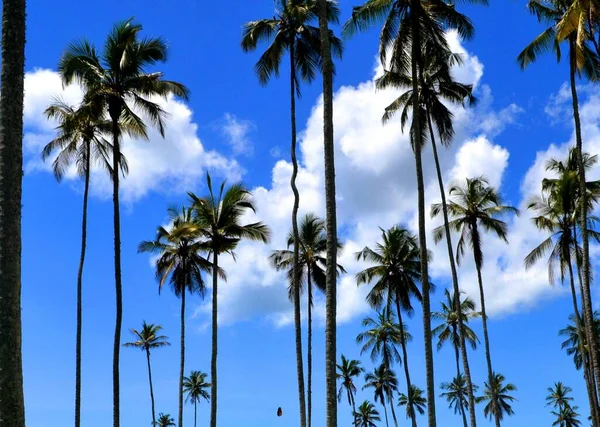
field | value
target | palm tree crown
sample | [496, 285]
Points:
[448, 330]
[148, 337]
[366, 416]
[195, 386]
[382, 338]
[414, 403]
[455, 393]
[501, 394]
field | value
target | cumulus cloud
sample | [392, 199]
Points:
[237, 132]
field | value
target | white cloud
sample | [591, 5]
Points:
[237, 132]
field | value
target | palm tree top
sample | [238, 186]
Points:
[196, 387]
[148, 337]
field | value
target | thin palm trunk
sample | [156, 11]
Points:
[182, 357]
[115, 114]
[586, 298]
[86, 191]
[296, 255]
[151, 387]
[309, 344]
[331, 219]
[353, 407]
[195, 412]
[456, 289]
[385, 412]
[12, 404]
[461, 406]
[391, 399]
[213, 359]
[405, 356]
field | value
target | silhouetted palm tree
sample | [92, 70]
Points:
[347, 371]
[165, 420]
[498, 391]
[456, 395]
[414, 402]
[195, 386]
[384, 383]
[366, 415]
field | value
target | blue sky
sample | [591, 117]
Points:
[237, 129]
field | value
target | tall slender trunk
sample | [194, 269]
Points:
[86, 190]
[151, 387]
[391, 399]
[182, 357]
[195, 412]
[353, 408]
[416, 133]
[11, 174]
[406, 370]
[461, 405]
[586, 296]
[296, 255]
[331, 219]
[456, 289]
[213, 359]
[387, 424]
[115, 113]
[309, 344]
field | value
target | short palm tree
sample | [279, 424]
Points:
[558, 396]
[118, 81]
[348, 370]
[395, 276]
[566, 416]
[366, 416]
[475, 207]
[456, 393]
[79, 140]
[219, 217]
[414, 403]
[500, 392]
[181, 261]
[196, 388]
[384, 383]
[165, 420]
[292, 31]
[148, 338]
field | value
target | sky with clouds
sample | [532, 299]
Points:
[238, 130]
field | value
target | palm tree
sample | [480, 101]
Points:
[291, 31]
[182, 263]
[474, 207]
[79, 139]
[396, 271]
[414, 402]
[456, 394]
[196, 388]
[576, 341]
[384, 383]
[566, 416]
[449, 331]
[560, 15]
[347, 371]
[11, 180]
[310, 267]
[147, 339]
[165, 420]
[558, 396]
[218, 217]
[497, 397]
[366, 415]
[118, 80]
[382, 337]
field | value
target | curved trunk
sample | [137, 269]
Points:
[455, 287]
[586, 298]
[296, 255]
[182, 357]
[330, 217]
[406, 370]
[391, 399]
[213, 359]
[86, 191]
[11, 177]
[151, 387]
[115, 113]
[309, 344]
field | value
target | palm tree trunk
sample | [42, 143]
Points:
[586, 298]
[195, 412]
[86, 191]
[11, 173]
[405, 356]
[182, 357]
[115, 113]
[387, 424]
[353, 409]
[151, 388]
[461, 406]
[593, 404]
[213, 359]
[296, 255]
[309, 344]
[331, 219]
[456, 289]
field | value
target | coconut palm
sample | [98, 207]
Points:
[79, 139]
[455, 394]
[348, 370]
[475, 207]
[382, 337]
[11, 178]
[384, 383]
[499, 391]
[164, 420]
[219, 218]
[366, 415]
[558, 396]
[181, 261]
[576, 341]
[395, 275]
[292, 31]
[560, 15]
[195, 386]
[414, 403]
[118, 81]
[566, 416]
[311, 270]
[147, 339]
